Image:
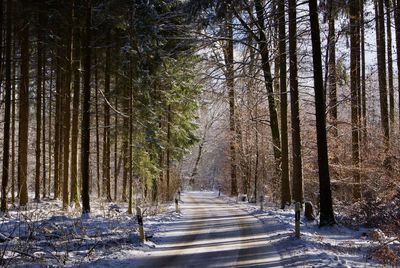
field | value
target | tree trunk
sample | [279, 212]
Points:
[57, 128]
[355, 91]
[106, 134]
[50, 134]
[85, 127]
[44, 57]
[66, 106]
[263, 45]
[7, 111]
[13, 116]
[23, 108]
[332, 67]
[168, 154]
[230, 83]
[397, 27]
[130, 143]
[297, 175]
[326, 209]
[363, 89]
[125, 170]
[116, 163]
[390, 63]
[285, 184]
[39, 79]
[97, 129]
[76, 65]
[380, 41]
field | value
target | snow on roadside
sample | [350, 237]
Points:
[44, 235]
[336, 246]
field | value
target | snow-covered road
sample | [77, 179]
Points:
[212, 233]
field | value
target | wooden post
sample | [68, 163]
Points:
[139, 217]
[176, 204]
[297, 220]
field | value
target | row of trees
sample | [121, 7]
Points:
[113, 80]
[255, 46]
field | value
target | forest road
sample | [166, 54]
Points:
[213, 233]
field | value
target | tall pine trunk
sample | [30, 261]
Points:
[116, 162]
[326, 209]
[297, 174]
[230, 83]
[66, 106]
[39, 79]
[390, 63]
[97, 128]
[13, 115]
[263, 46]
[362, 84]
[76, 65]
[355, 92]
[381, 56]
[397, 27]
[44, 111]
[332, 67]
[23, 107]
[7, 112]
[57, 128]
[85, 126]
[106, 134]
[285, 184]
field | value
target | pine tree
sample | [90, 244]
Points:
[285, 184]
[297, 174]
[7, 111]
[85, 126]
[355, 92]
[23, 106]
[326, 209]
[76, 64]
[381, 56]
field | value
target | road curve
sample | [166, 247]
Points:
[212, 233]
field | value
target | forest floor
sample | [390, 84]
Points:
[210, 231]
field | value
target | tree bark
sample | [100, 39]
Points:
[285, 183]
[96, 79]
[168, 154]
[381, 55]
[66, 106]
[76, 64]
[363, 89]
[57, 128]
[39, 79]
[326, 209]
[297, 175]
[23, 108]
[13, 115]
[85, 127]
[397, 27]
[106, 134]
[355, 92]
[390, 63]
[116, 163]
[7, 111]
[263, 45]
[332, 67]
[230, 83]
[43, 153]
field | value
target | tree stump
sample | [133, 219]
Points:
[309, 211]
